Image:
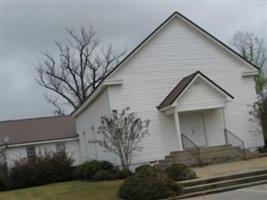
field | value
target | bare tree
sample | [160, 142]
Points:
[54, 101]
[252, 48]
[78, 69]
[121, 134]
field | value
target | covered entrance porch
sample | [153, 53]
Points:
[203, 127]
[197, 105]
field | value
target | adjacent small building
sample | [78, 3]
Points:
[32, 137]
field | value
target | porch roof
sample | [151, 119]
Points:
[179, 89]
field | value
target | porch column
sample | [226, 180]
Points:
[225, 125]
[178, 130]
[224, 118]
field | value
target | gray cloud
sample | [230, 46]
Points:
[28, 27]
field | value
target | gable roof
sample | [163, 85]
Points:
[178, 90]
[38, 129]
[175, 14]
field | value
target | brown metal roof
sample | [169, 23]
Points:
[176, 91]
[181, 86]
[37, 129]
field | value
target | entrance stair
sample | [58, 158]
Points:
[217, 184]
[203, 156]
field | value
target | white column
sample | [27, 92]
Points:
[224, 117]
[225, 124]
[178, 130]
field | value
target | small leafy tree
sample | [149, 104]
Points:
[121, 133]
[259, 112]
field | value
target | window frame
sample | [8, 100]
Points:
[31, 152]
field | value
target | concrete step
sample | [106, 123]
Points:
[222, 159]
[217, 190]
[221, 178]
[205, 151]
[182, 153]
[174, 157]
[223, 150]
[224, 183]
[218, 155]
[195, 162]
[205, 186]
[224, 153]
[214, 148]
[209, 155]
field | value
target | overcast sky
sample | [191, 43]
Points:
[27, 27]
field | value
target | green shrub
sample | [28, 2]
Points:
[122, 174]
[106, 165]
[179, 172]
[88, 170]
[149, 184]
[3, 182]
[262, 149]
[45, 169]
[103, 175]
[142, 167]
[3, 177]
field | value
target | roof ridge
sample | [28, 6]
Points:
[175, 13]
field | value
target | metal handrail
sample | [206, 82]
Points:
[226, 132]
[195, 147]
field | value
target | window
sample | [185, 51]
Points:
[60, 147]
[31, 154]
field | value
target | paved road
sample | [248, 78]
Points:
[258, 192]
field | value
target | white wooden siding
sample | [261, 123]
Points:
[200, 95]
[175, 52]
[91, 118]
[71, 147]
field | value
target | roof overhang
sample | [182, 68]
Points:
[76, 138]
[250, 73]
[95, 94]
[181, 88]
[149, 37]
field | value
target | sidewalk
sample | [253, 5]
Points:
[256, 192]
[230, 168]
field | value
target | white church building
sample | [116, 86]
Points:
[184, 80]
[187, 82]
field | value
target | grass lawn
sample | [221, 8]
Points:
[79, 190]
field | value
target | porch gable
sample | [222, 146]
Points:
[195, 92]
